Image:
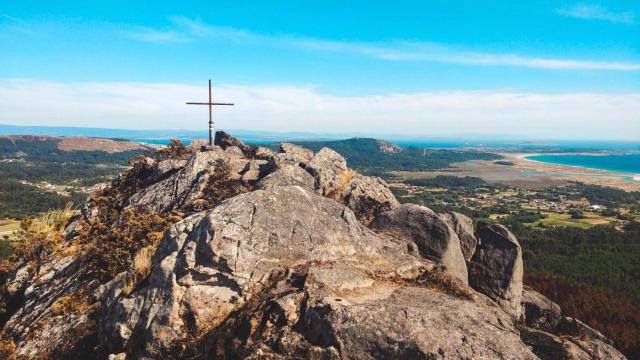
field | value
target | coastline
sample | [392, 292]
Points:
[532, 174]
[635, 176]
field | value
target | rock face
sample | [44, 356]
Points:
[342, 312]
[433, 237]
[187, 180]
[224, 140]
[43, 296]
[287, 175]
[496, 268]
[291, 154]
[329, 169]
[280, 255]
[463, 226]
[540, 312]
[212, 263]
[368, 197]
[558, 345]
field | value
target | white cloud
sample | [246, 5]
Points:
[596, 12]
[186, 29]
[307, 108]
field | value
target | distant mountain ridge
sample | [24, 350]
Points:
[75, 143]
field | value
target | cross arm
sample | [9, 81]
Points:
[208, 103]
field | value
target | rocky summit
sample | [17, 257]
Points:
[235, 251]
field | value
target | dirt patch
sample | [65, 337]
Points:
[97, 144]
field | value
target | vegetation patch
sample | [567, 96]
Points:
[19, 201]
[445, 181]
[40, 237]
[74, 303]
[221, 185]
[613, 313]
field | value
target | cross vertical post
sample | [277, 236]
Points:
[210, 104]
[211, 129]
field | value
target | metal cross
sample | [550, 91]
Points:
[211, 104]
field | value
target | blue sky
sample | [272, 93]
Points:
[534, 68]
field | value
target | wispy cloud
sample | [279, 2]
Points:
[597, 12]
[308, 108]
[157, 36]
[9, 17]
[185, 29]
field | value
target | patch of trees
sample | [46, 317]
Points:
[608, 196]
[596, 194]
[612, 312]
[600, 256]
[577, 214]
[504, 163]
[446, 181]
[58, 173]
[522, 217]
[18, 201]
[47, 151]
[594, 274]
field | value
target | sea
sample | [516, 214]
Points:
[623, 163]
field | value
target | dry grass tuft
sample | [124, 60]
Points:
[142, 262]
[343, 179]
[40, 236]
[441, 281]
[221, 186]
[346, 176]
[51, 221]
[113, 242]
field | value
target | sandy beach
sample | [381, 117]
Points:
[533, 174]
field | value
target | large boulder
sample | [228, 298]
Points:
[341, 310]
[262, 153]
[576, 328]
[213, 262]
[165, 168]
[463, 226]
[549, 346]
[186, 186]
[291, 154]
[329, 169]
[433, 237]
[225, 140]
[496, 268]
[254, 170]
[368, 197]
[539, 311]
[287, 175]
